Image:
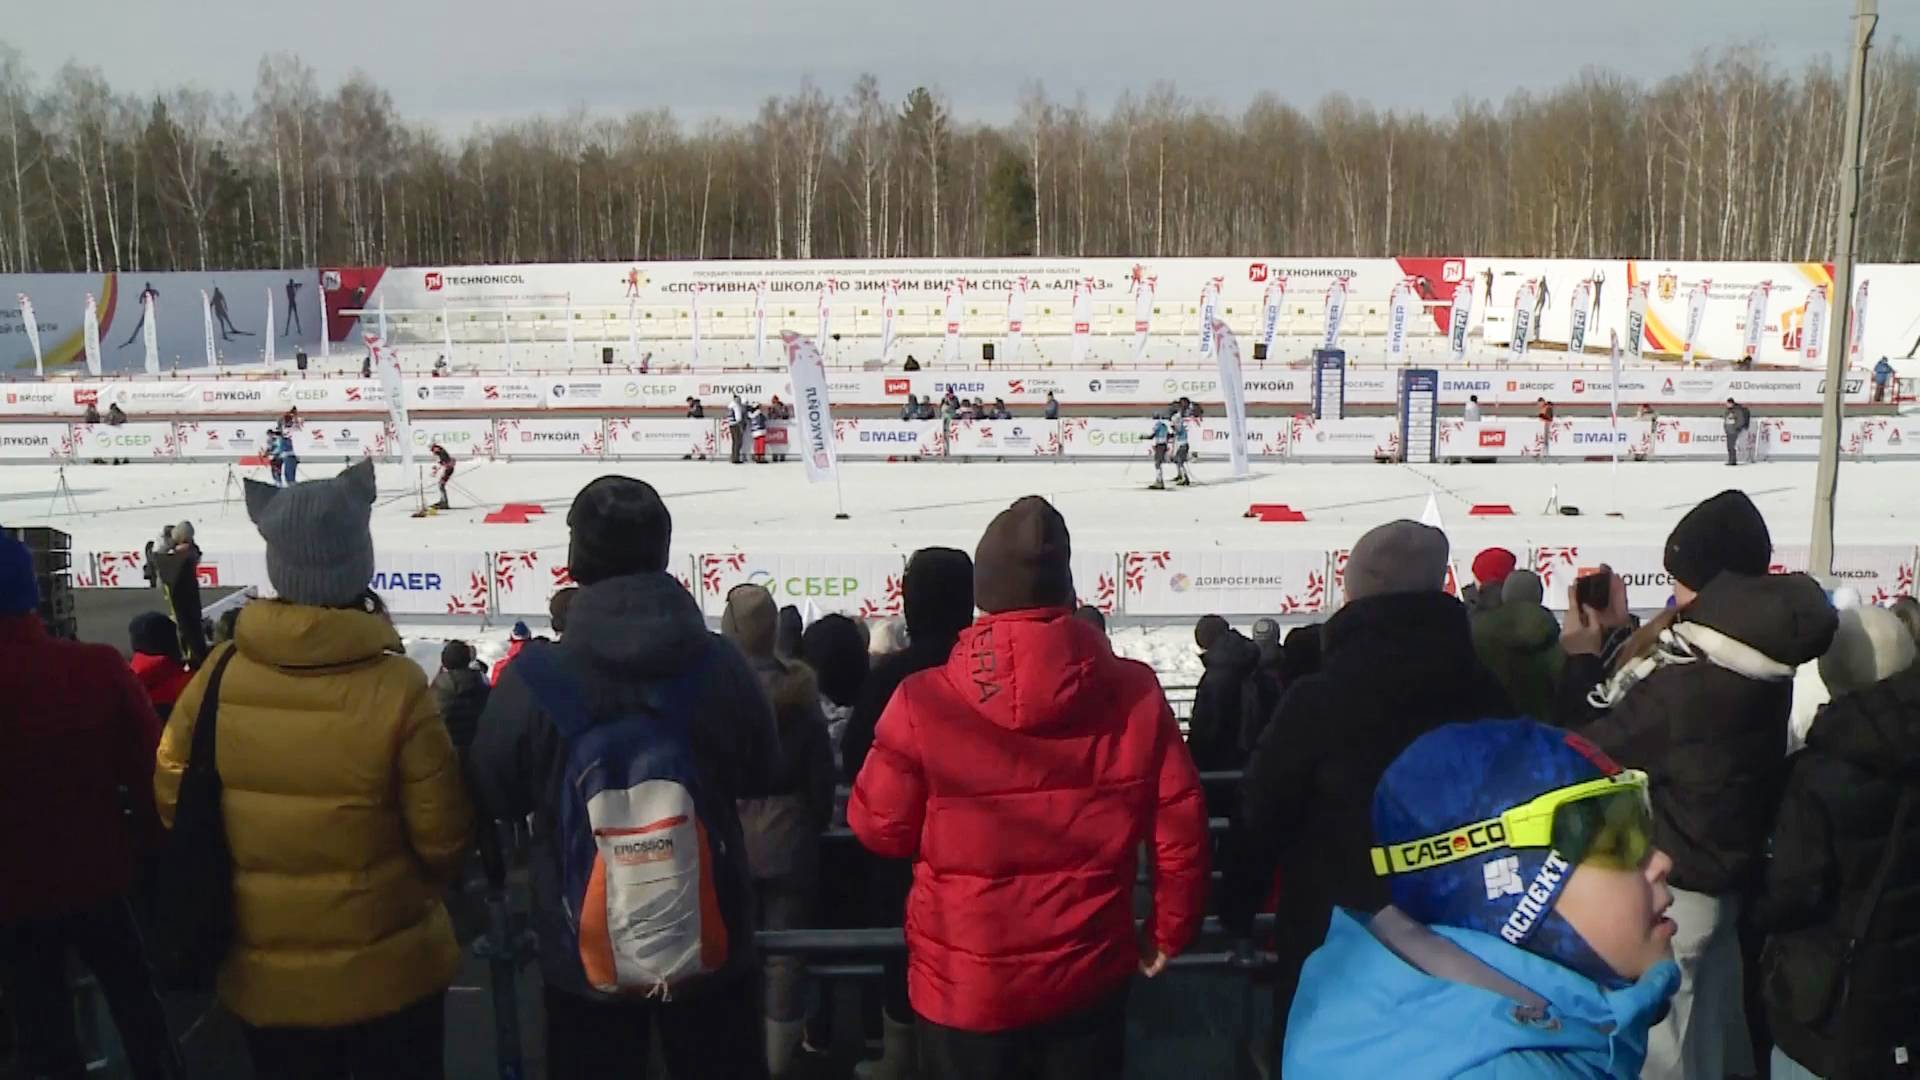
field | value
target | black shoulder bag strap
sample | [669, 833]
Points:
[203, 755]
[1863, 919]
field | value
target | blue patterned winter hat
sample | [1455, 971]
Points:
[1465, 773]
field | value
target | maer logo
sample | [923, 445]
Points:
[888, 437]
[896, 387]
[405, 581]
[1491, 437]
[435, 282]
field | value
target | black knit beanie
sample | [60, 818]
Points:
[618, 526]
[937, 593]
[1725, 532]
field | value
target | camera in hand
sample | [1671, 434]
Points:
[1595, 590]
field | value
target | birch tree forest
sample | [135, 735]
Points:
[1732, 159]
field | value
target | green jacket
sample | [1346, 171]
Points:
[1520, 644]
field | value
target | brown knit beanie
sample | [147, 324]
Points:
[1024, 560]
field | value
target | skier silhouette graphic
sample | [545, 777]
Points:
[145, 294]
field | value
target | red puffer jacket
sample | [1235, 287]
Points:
[1022, 778]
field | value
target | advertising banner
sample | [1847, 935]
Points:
[137, 442]
[1212, 437]
[1224, 582]
[549, 437]
[1869, 436]
[35, 442]
[1105, 437]
[1517, 438]
[1643, 566]
[464, 439]
[1096, 579]
[1584, 437]
[524, 581]
[1782, 438]
[888, 438]
[60, 301]
[342, 439]
[1684, 437]
[433, 582]
[1880, 573]
[1363, 438]
[221, 439]
[867, 586]
[634, 437]
[1004, 438]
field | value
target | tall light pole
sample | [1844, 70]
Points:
[1866, 16]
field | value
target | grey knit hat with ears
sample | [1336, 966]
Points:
[319, 541]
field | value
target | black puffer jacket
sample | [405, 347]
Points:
[1395, 668]
[1213, 731]
[462, 697]
[1708, 722]
[1834, 829]
[626, 637]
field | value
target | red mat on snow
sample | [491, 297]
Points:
[1272, 512]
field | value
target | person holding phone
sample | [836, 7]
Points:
[1698, 698]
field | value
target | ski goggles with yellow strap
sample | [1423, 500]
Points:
[1607, 821]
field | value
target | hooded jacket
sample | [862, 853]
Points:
[783, 827]
[625, 636]
[1260, 695]
[162, 677]
[1023, 777]
[75, 731]
[1394, 667]
[462, 696]
[1520, 644]
[1213, 731]
[1834, 829]
[344, 811]
[1365, 1010]
[1706, 717]
[938, 602]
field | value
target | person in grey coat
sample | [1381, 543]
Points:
[783, 827]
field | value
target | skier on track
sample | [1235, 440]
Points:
[1162, 434]
[443, 472]
[1181, 451]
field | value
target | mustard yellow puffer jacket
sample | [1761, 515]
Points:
[345, 811]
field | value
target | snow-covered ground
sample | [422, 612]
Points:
[901, 507]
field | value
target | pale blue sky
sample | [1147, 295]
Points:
[455, 63]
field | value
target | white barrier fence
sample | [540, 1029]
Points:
[1177, 583]
[1366, 438]
[1365, 386]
